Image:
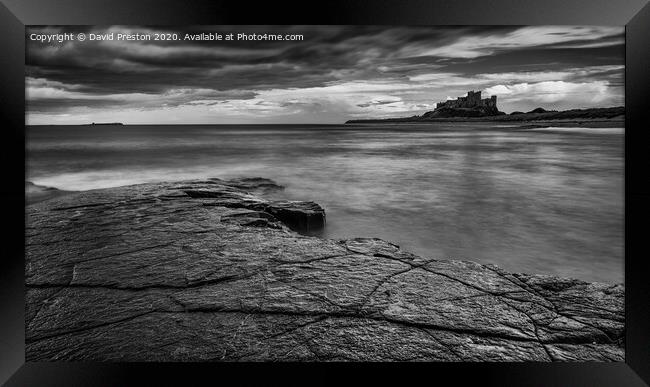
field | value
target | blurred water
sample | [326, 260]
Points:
[546, 201]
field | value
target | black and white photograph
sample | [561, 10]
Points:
[215, 193]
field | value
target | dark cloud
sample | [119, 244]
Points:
[154, 66]
[149, 74]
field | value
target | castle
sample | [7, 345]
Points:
[473, 100]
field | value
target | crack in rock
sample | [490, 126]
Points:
[198, 271]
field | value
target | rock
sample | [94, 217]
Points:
[301, 216]
[206, 271]
[297, 215]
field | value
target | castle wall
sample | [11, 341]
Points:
[473, 99]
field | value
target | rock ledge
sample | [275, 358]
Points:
[209, 270]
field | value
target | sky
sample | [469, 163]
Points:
[333, 74]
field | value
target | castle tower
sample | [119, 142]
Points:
[473, 98]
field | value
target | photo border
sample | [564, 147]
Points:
[634, 14]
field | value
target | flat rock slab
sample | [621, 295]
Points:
[209, 270]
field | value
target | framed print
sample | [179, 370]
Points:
[421, 187]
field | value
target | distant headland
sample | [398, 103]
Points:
[474, 108]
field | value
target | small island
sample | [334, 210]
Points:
[105, 123]
[474, 108]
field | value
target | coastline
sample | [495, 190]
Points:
[539, 115]
[593, 122]
[211, 270]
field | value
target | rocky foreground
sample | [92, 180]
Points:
[209, 270]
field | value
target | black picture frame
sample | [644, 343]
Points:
[634, 14]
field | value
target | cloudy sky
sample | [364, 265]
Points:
[336, 73]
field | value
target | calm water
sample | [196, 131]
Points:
[537, 201]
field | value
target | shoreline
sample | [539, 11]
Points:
[132, 263]
[54, 193]
[592, 123]
[539, 114]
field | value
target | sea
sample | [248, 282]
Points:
[527, 199]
